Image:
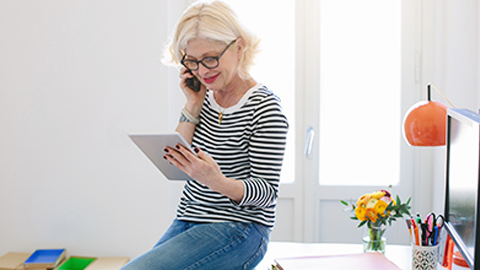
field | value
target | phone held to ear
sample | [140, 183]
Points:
[193, 83]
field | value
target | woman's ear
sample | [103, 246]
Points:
[240, 47]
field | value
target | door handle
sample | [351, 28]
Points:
[309, 135]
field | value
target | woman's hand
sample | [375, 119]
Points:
[194, 99]
[205, 170]
[193, 106]
[201, 168]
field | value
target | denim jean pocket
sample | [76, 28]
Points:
[264, 230]
[238, 229]
[258, 255]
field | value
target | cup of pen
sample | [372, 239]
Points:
[424, 257]
[425, 236]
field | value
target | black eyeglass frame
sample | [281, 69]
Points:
[217, 58]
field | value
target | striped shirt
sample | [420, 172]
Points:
[248, 145]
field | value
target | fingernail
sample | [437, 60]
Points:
[196, 149]
[177, 146]
[166, 150]
[165, 157]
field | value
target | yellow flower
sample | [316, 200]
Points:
[360, 213]
[371, 203]
[363, 199]
[378, 195]
[380, 207]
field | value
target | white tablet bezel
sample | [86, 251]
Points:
[153, 145]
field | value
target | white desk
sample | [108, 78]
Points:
[398, 254]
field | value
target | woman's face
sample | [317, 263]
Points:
[225, 75]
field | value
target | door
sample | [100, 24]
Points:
[341, 68]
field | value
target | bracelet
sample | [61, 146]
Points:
[187, 117]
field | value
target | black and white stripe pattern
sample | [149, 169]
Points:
[248, 145]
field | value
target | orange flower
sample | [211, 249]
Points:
[372, 215]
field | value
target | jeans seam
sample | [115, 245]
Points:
[260, 251]
[265, 231]
[262, 248]
[207, 258]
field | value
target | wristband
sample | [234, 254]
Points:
[187, 117]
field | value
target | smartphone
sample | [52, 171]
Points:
[194, 83]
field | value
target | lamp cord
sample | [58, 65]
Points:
[428, 88]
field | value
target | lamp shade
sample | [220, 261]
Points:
[425, 124]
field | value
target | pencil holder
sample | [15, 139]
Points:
[424, 257]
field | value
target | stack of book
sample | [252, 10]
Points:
[13, 261]
[86, 263]
[55, 259]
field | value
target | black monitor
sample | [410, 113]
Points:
[462, 171]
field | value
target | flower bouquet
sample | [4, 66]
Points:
[376, 210]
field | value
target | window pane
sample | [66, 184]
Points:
[275, 64]
[360, 92]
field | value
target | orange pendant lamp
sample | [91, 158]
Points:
[425, 122]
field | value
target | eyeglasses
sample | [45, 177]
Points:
[209, 62]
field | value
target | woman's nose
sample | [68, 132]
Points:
[201, 71]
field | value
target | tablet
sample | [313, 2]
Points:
[153, 145]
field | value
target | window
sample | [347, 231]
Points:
[337, 66]
[360, 79]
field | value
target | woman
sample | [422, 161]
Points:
[238, 132]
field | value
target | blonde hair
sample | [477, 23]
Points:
[215, 22]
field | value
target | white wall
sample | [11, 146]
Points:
[455, 68]
[75, 78]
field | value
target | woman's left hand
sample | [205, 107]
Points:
[200, 167]
[203, 168]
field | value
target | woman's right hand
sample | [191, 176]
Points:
[194, 99]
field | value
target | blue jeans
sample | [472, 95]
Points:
[187, 245]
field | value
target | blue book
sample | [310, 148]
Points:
[45, 258]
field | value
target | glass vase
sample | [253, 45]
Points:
[374, 239]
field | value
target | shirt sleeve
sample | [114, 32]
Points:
[266, 152]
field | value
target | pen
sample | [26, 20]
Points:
[412, 222]
[435, 236]
[409, 229]
[424, 234]
[417, 241]
[420, 235]
[415, 232]
[274, 267]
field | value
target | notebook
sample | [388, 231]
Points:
[361, 261]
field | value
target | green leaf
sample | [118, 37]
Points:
[344, 203]
[390, 206]
[362, 223]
